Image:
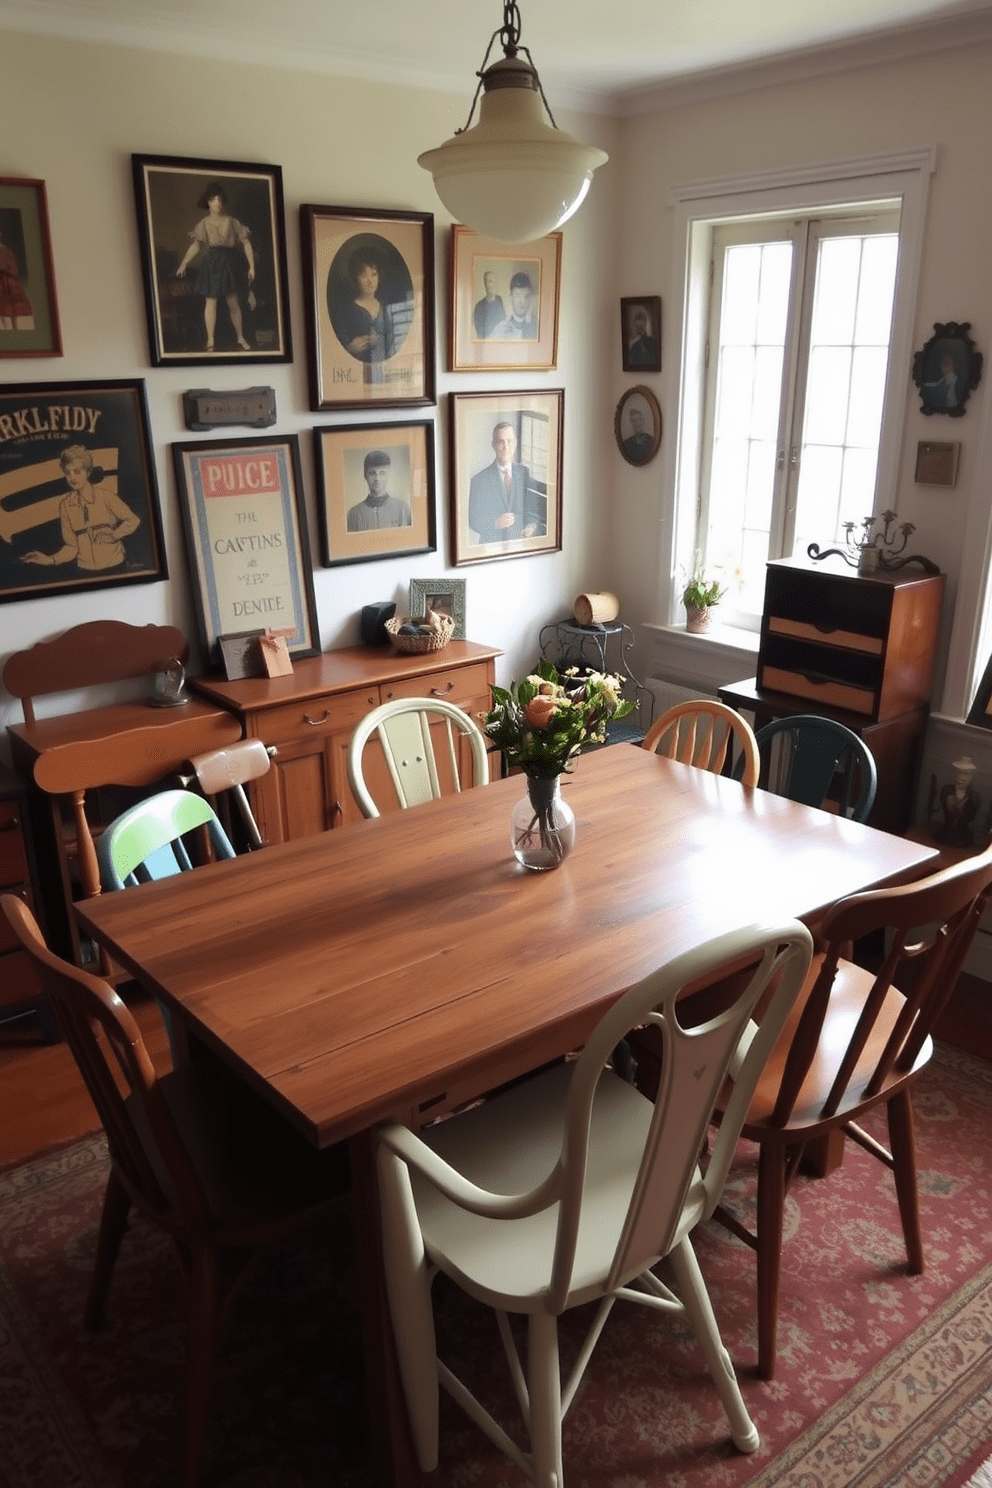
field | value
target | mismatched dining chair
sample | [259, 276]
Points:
[231, 769]
[408, 730]
[146, 841]
[205, 1161]
[857, 1039]
[704, 733]
[818, 762]
[569, 1188]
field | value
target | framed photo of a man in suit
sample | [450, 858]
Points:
[506, 465]
[637, 425]
[640, 330]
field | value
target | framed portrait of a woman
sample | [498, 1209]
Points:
[369, 276]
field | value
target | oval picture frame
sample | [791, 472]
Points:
[637, 425]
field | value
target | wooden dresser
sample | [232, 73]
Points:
[20, 988]
[857, 648]
[309, 716]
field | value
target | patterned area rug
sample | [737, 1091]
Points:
[885, 1380]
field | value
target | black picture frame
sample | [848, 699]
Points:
[245, 525]
[637, 425]
[248, 276]
[79, 506]
[394, 366]
[948, 369]
[347, 457]
[640, 333]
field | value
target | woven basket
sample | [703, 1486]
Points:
[418, 645]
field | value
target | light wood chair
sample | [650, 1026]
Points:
[231, 769]
[569, 1188]
[704, 732]
[853, 1041]
[207, 1162]
[406, 729]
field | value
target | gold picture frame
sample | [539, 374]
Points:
[504, 303]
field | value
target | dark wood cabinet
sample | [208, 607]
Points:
[859, 648]
[20, 988]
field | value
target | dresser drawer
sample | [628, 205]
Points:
[13, 855]
[322, 715]
[820, 690]
[8, 940]
[800, 630]
[19, 982]
[453, 686]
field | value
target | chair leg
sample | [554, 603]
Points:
[113, 1224]
[204, 1307]
[899, 1112]
[695, 1299]
[544, 1384]
[770, 1215]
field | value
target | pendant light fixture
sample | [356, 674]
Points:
[514, 176]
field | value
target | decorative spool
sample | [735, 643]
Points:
[596, 609]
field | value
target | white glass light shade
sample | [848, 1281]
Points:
[513, 176]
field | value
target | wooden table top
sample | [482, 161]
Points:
[382, 966]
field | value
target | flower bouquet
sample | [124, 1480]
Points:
[542, 724]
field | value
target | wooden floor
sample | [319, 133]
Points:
[43, 1102]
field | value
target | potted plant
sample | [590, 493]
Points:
[700, 593]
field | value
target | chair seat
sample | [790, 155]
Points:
[508, 1145]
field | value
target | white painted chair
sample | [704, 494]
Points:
[570, 1187]
[404, 730]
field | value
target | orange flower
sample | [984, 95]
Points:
[540, 711]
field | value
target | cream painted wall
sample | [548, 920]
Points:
[942, 101]
[72, 115]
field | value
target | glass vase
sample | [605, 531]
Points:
[542, 825]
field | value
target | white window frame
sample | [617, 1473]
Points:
[903, 175]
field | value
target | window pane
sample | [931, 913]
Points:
[836, 291]
[827, 394]
[867, 394]
[878, 282]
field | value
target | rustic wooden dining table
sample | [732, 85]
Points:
[396, 967]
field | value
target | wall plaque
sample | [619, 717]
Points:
[205, 409]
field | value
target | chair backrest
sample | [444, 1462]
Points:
[407, 729]
[702, 732]
[230, 769]
[929, 927]
[145, 842]
[813, 755]
[145, 1143]
[694, 1064]
[96, 652]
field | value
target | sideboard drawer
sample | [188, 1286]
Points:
[320, 715]
[800, 630]
[453, 685]
[819, 690]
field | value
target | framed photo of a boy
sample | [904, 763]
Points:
[244, 520]
[506, 489]
[376, 497]
[29, 313]
[504, 303]
[369, 279]
[213, 253]
[78, 496]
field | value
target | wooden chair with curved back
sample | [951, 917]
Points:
[855, 1040]
[704, 732]
[406, 730]
[146, 841]
[213, 1167]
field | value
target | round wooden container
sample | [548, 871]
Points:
[596, 609]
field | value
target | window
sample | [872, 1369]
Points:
[797, 314]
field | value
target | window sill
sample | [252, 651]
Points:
[721, 655]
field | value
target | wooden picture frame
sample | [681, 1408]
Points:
[637, 425]
[376, 491]
[948, 369]
[640, 333]
[480, 424]
[216, 288]
[485, 276]
[937, 463]
[244, 521]
[444, 596]
[79, 505]
[357, 360]
[29, 312]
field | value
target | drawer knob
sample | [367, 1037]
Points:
[316, 722]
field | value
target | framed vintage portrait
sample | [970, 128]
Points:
[937, 463]
[213, 255]
[948, 369]
[244, 519]
[504, 303]
[506, 485]
[444, 597]
[369, 288]
[376, 497]
[640, 332]
[29, 313]
[637, 425]
[78, 495]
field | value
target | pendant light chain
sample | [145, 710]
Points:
[509, 38]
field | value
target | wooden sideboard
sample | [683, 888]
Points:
[308, 718]
[20, 986]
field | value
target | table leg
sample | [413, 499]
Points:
[394, 1459]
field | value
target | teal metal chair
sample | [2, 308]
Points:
[814, 760]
